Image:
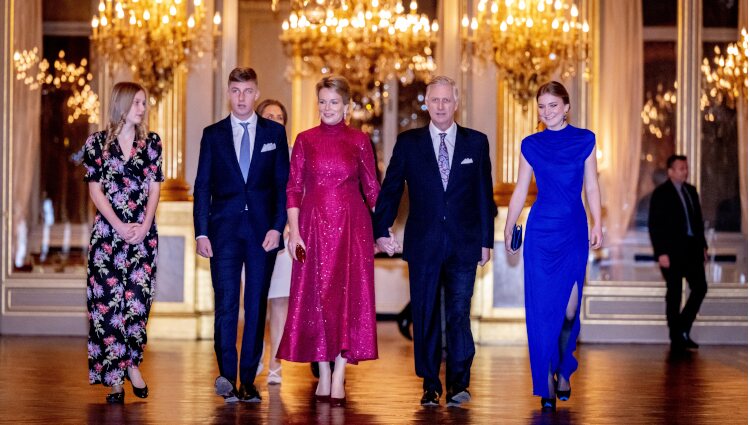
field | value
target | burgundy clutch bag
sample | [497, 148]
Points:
[300, 253]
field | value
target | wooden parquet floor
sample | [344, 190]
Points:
[44, 380]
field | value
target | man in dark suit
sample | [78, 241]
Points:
[675, 224]
[449, 230]
[239, 214]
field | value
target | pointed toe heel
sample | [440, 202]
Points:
[563, 395]
[140, 392]
[338, 402]
[548, 404]
[116, 398]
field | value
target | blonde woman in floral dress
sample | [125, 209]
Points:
[123, 171]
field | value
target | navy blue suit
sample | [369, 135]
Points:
[444, 236]
[236, 215]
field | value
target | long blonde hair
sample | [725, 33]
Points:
[120, 103]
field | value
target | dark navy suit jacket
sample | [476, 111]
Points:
[221, 194]
[464, 212]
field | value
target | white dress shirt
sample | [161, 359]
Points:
[237, 131]
[450, 140]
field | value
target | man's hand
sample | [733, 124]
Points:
[486, 253]
[203, 247]
[386, 245]
[664, 261]
[272, 240]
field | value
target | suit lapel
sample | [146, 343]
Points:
[428, 151]
[459, 153]
[227, 148]
[260, 138]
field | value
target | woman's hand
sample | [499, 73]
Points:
[139, 234]
[125, 230]
[597, 237]
[508, 238]
[294, 240]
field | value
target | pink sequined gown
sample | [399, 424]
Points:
[332, 297]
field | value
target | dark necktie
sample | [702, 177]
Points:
[443, 163]
[245, 151]
[687, 204]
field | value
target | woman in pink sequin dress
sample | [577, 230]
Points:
[332, 299]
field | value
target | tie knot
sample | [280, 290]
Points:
[244, 125]
[442, 136]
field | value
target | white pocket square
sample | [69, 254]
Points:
[268, 147]
[467, 161]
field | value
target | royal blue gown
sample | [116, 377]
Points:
[556, 248]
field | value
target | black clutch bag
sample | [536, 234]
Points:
[517, 237]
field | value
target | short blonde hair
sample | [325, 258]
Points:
[338, 84]
[442, 79]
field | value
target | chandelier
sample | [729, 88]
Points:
[154, 38]
[36, 74]
[726, 80]
[366, 41]
[528, 41]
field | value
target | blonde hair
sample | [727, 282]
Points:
[338, 84]
[120, 103]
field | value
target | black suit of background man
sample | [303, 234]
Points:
[675, 224]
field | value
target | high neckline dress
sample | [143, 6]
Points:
[332, 296]
[556, 248]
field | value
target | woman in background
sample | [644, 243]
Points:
[278, 294]
[123, 171]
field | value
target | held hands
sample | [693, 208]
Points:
[596, 238]
[272, 240]
[387, 244]
[203, 248]
[132, 233]
[664, 261]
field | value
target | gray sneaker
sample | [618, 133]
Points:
[224, 388]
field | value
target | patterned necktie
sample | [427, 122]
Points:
[443, 163]
[245, 151]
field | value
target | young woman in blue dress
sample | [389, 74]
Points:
[563, 160]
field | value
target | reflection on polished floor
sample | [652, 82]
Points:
[43, 380]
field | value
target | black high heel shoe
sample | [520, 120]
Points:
[548, 404]
[562, 395]
[116, 398]
[138, 392]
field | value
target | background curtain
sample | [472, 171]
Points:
[617, 120]
[26, 106]
[742, 134]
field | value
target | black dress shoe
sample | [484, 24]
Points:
[548, 404]
[403, 320]
[139, 392]
[338, 402]
[116, 398]
[249, 394]
[430, 398]
[455, 399]
[563, 395]
[689, 343]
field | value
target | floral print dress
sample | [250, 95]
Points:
[121, 277]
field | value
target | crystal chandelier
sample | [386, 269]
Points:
[154, 38]
[528, 40]
[726, 80]
[366, 41]
[65, 76]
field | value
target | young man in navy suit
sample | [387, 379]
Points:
[450, 229]
[239, 214]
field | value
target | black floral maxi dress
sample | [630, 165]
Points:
[121, 277]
